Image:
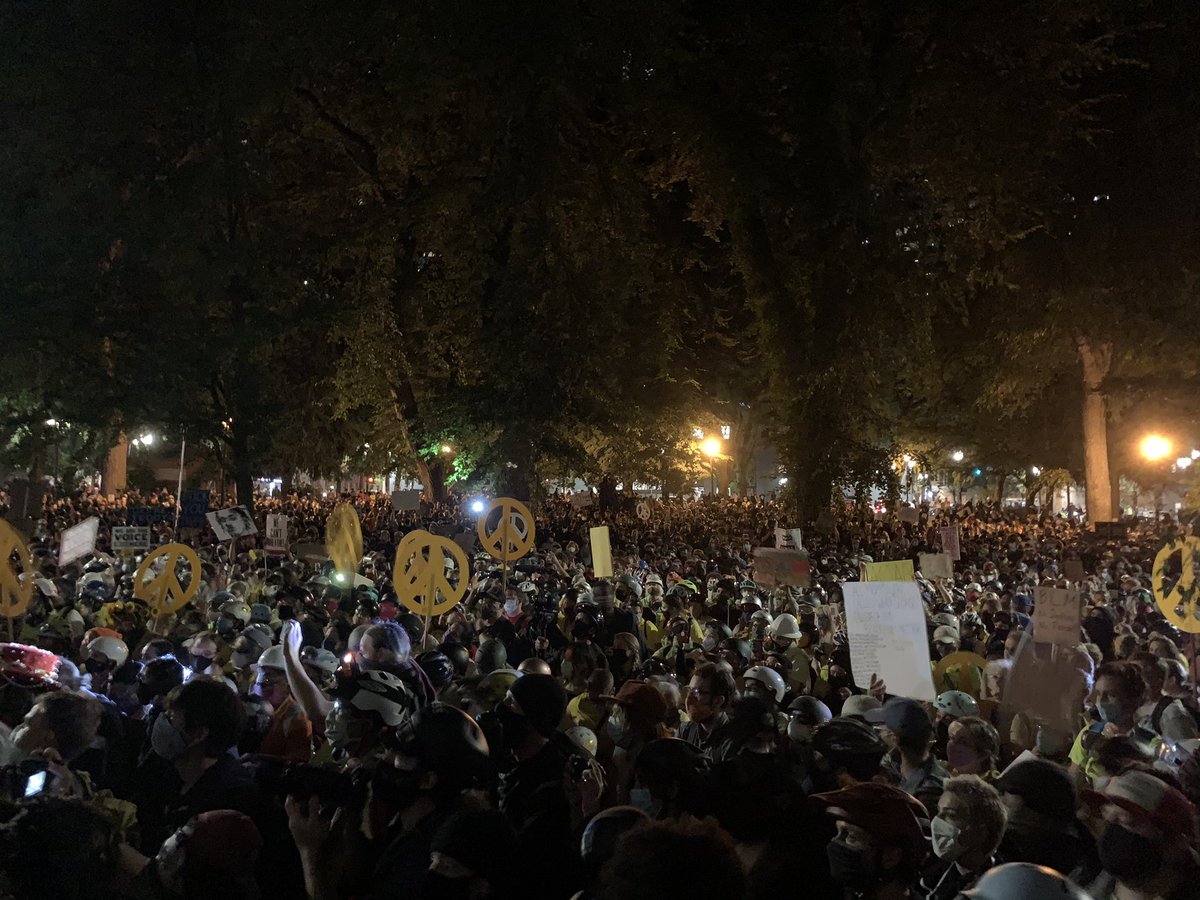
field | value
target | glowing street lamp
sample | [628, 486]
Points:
[711, 447]
[957, 456]
[1183, 462]
[446, 448]
[1155, 447]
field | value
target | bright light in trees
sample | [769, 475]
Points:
[711, 447]
[1155, 447]
[957, 456]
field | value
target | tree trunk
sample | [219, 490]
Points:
[1001, 480]
[1095, 359]
[407, 447]
[116, 467]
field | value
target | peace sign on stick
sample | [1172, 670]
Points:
[164, 593]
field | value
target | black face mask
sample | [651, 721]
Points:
[399, 788]
[145, 693]
[96, 667]
[514, 726]
[200, 663]
[849, 867]
[1129, 856]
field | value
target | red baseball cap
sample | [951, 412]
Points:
[1150, 800]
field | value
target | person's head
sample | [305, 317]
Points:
[1163, 647]
[531, 712]
[201, 719]
[1119, 691]
[849, 749]
[249, 645]
[490, 656]
[158, 678]
[271, 682]
[1174, 676]
[367, 707]
[195, 860]
[438, 753]
[638, 713]
[709, 693]
[60, 720]
[1038, 793]
[599, 685]
[1152, 674]
[203, 648]
[973, 747]
[970, 821]
[685, 858]
[59, 847]
[880, 836]
[600, 837]
[906, 726]
[384, 645]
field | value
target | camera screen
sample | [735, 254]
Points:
[36, 784]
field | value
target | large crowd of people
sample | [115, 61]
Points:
[680, 729]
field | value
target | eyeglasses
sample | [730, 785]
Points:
[699, 692]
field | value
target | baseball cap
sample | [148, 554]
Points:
[902, 717]
[1043, 787]
[945, 634]
[643, 700]
[1149, 799]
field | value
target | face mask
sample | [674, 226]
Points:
[168, 741]
[945, 838]
[618, 729]
[645, 801]
[1129, 856]
[850, 867]
[145, 693]
[342, 731]
[709, 644]
[511, 608]
[96, 667]
[242, 660]
[200, 663]
[514, 726]
[1110, 712]
[963, 758]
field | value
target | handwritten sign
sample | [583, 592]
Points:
[277, 534]
[950, 542]
[1056, 616]
[149, 515]
[894, 570]
[885, 622]
[937, 565]
[776, 568]
[127, 537]
[78, 541]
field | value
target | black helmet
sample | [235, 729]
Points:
[437, 667]
[599, 841]
[448, 742]
[738, 646]
[724, 632]
[412, 623]
[457, 654]
[809, 711]
[842, 736]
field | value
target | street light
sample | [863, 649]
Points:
[711, 447]
[1155, 447]
[957, 456]
[1035, 471]
[1183, 462]
[446, 448]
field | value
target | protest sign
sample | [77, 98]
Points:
[343, 537]
[26, 500]
[1056, 616]
[936, 565]
[466, 540]
[885, 622]
[581, 500]
[193, 509]
[78, 541]
[601, 552]
[157, 580]
[506, 530]
[231, 523]
[277, 535]
[1035, 667]
[783, 540]
[406, 501]
[909, 515]
[130, 537]
[149, 515]
[422, 575]
[895, 570]
[643, 510]
[950, 542]
[1176, 597]
[310, 551]
[775, 568]
[16, 591]
[1073, 569]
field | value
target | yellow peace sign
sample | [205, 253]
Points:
[961, 659]
[343, 538]
[513, 534]
[1179, 605]
[164, 593]
[420, 573]
[15, 595]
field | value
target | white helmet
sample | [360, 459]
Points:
[946, 619]
[110, 648]
[761, 615]
[957, 704]
[785, 626]
[584, 737]
[769, 677]
[1026, 881]
[272, 658]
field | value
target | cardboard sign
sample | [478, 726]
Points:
[277, 535]
[885, 622]
[581, 500]
[506, 530]
[1179, 604]
[157, 578]
[894, 570]
[950, 543]
[78, 541]
[311, 551]
[130, 537]
[937, 565]
[466, 540]
[643, 510]
[1056, 616]
[601, 552]
[1035, 669]
[909, 515]
[193, 509]
[776, 568]
[1073, 570]
[231, 523]
[406, 501]
[422, 577]
[149, 515]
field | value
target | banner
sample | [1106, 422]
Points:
[232, 523]
[277, 535]
[78, 541]
[149, 515]
[406, 501]
[936, 565]
[894, 570]
[950, 544]
[885, 622]
[601, 552]
[776, 568]
[130, 537]
[194, 509]
[1056, 616]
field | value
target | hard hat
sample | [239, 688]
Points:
[1027, 881]
[272, 658]
[761, 615]
[319, 658]
[809, 710]
[653, 578]
[236, 609]
[769, 677]
[945, 634]
[957, 704]
[584, 737]
[750, 600]
[785, 626]
[946, 619]
[111, 648]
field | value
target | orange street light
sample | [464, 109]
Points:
[711, 447]
[1155, 447]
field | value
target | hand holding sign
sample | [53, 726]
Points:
[15, 594]
[164, 593]
[343, 538]
[506, 530]
[421, 577]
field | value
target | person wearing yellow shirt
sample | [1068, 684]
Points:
[589, 709]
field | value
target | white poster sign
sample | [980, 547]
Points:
[78, 541]
[232, 523]
[130, 537]
[950, 545]
[885, 621]
[1056, 616]
[277, 534]
[937, 565]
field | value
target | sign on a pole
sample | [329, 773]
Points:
[950, 544]
[277, 535]
[78, 541]
[130, 537]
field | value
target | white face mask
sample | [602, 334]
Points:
[945, 838]
[511, 607]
